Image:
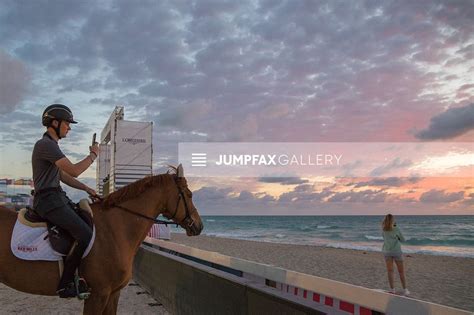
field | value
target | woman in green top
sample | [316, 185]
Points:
[392, 251]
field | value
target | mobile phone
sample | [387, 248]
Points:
[93, 138]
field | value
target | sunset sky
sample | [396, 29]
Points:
[250, 71]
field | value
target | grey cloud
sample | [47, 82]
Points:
[349, 167]
[449, 124]
[211, 193]
[304, 194]
[301, 195]
[35, 52]
[389, 181]
[32, 130]
[185, 115]
[13, 86]
[470, 200]
[19, 118]
[72, 84]
[243, 58]
[246, 196]
[395, 164]
[283, 180]
[440, 196]
[366, 196]
[304, 188]
[32, 20]
[212, 8]
[73, 156]
[467, 51]
[268, 198]
[14, 121]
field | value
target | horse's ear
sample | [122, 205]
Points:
[180, 172]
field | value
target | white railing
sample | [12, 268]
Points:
[343, 298]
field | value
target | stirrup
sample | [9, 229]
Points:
[82, 290]
[68, 292]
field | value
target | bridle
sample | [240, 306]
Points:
[188, 221]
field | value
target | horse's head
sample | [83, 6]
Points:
[180, 205]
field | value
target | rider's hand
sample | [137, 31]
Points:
[91, 192]
[94, 149]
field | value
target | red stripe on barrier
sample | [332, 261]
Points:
[305, 294]
[364, 311]
[346, 306]
[152, 233]
[328, 301]
[296, 291]
[316, 297]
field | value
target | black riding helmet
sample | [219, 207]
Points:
[57, 112]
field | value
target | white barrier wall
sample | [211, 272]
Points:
[160, 231]
[321, 294]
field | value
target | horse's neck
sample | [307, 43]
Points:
[130, 230]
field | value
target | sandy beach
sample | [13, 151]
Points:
[439, 279]
[133, 300]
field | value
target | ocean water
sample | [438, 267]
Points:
[434, 235]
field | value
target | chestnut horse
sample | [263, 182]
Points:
[121, 226]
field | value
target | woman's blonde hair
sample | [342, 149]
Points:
[387, 223]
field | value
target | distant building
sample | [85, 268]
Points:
[15, 201]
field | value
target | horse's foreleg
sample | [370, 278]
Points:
[96, 303]
[111, 308]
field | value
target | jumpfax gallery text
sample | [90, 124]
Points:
[278, 160]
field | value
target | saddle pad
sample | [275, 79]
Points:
[29, 244]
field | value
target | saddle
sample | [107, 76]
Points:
[61, 241]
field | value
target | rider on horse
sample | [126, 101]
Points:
[50, 166]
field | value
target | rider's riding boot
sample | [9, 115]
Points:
[69, 291]
[78, 289]
[71, 264]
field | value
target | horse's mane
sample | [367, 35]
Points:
[134, 189]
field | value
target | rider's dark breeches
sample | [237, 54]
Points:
[66, 218]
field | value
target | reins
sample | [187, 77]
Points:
[188, 221]
[146, 217]
[156, 221]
